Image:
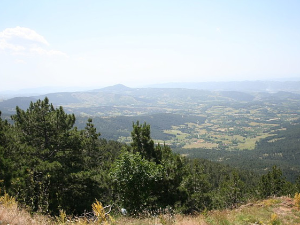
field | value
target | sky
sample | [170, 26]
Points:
[98, 43]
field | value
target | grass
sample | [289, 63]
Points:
[273, 211]
[11, 213]
[297, 200]
[179, 134]
[199, 144]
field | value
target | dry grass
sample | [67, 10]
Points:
[297, 200]
[159, 220]
[273, 211]
[11, 214]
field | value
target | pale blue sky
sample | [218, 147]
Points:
[100, 43]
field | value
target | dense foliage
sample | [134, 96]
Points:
[49, 164]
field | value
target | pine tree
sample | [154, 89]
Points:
[142, 142]
[274, 184]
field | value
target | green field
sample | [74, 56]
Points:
[230, 129]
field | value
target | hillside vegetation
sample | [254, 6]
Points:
[50, 165]
[224, 124]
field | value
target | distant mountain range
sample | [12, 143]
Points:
[122, 100]
[39, 91]
[244, 86]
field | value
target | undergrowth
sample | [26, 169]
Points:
[266, 212]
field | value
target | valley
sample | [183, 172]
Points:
[219, 125]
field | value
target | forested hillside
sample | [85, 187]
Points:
[281, 149]
[220, 125]
[49, 164]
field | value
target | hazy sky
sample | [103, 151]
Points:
[101, 42]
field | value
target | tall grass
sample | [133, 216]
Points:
[11, 213]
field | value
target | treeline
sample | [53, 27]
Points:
[49, 164]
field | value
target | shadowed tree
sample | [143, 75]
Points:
[6, 168]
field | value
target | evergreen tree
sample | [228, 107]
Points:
[44, 137]
[142, 142]
[90, 144]
[5, 162]
[54, 171]
[274, 184]
[231, 191]
[43, 127]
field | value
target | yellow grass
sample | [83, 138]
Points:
[297, 200]
[11, 214]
